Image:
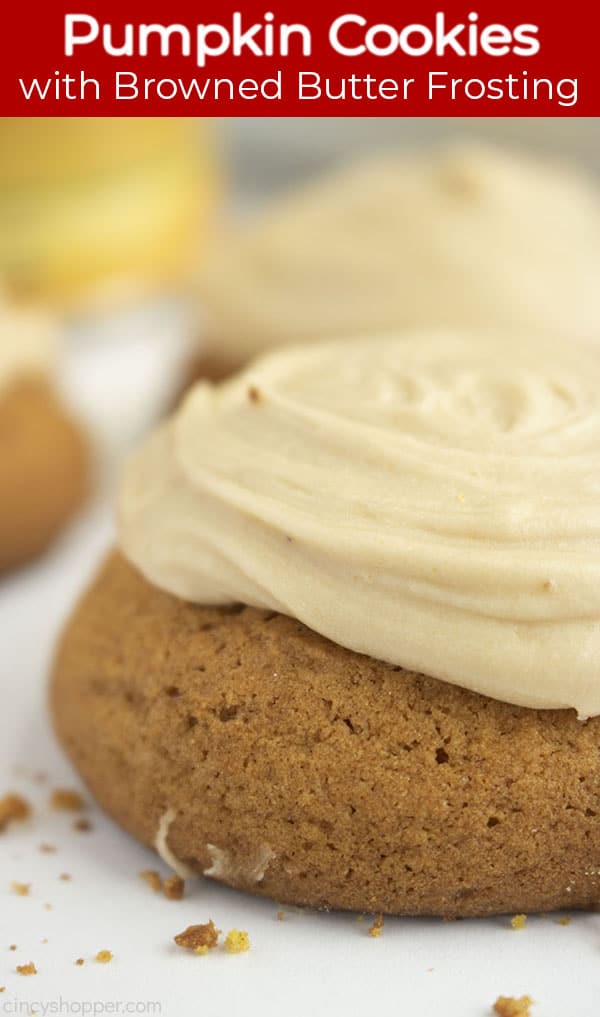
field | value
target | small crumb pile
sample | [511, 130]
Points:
[104, 956]
[27, 969]
[64, 800]
[79, 962]
[173, 887]
[202, 938]
[518, 921]
[508, 1006]
[565, 920]
[237, 941]
[13, 809]
[199, 938]
[376, 928]
[152, 878]
[21, 889]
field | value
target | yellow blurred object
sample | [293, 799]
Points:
[95, 206]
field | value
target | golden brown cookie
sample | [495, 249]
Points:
[280, 763]
[44, 469]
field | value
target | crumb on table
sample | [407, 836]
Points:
[13, 809]
[64, 800]
[199, 938]
[27, 969]
[152, 878]
[280, 916]
[104, 956]
[82, 825]
[376, 928]
[79, 962]
[508, 1006]
[173, 887]
[565, 920]
[237, 941]
[518, 921]
[48, 849]
[21, 889]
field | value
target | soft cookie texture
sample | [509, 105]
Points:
[278, 762]
[44, 474]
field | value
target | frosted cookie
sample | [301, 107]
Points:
[44, 471]
[465, 237]
[358, 668]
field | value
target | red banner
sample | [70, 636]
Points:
[336, 58]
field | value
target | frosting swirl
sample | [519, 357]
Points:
[470, 237]
[431, 500]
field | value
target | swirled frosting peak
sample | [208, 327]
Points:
[431, 500]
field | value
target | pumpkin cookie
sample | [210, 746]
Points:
[44, 474]
[346, 655]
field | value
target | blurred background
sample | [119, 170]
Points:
[266, 153]
[106, 222]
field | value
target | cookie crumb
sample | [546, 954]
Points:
[237, 941]
[508, 1006]
[64, 800]
[376, 927]
[21, 889]
[104, 956]
[518, 921]
[48, 907]
[82, 825]
[152, 878]
[254, 394]
[13, 946]
[27, 969]
[48, 849]
[2, 988]
[280, 916]
[199, 938]
[66, 877]
[566, 920]
[79, 962]
[173, 887]
[13, 809]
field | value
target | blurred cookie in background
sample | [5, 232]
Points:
[100, 210]
[471, 236]
[44, 460]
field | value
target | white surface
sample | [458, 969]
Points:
[308, 964]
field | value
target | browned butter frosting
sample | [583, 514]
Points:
[468, 236]
[431, 500]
